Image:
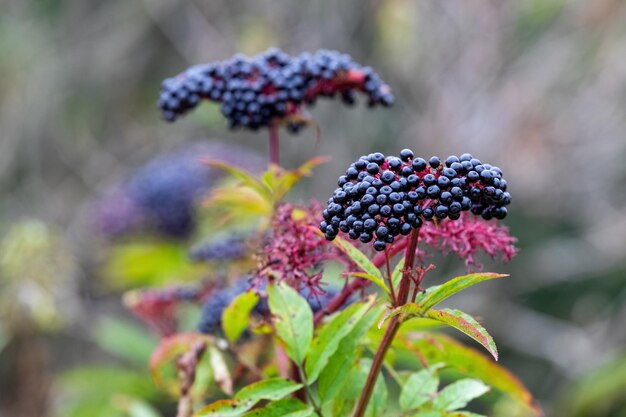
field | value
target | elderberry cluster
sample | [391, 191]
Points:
[258, 90]
[382, 197]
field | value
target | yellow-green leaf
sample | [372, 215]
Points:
[269, 389]
[293, 319]
[357, 257]
[287, 407]
[453, 286]
[458, 394]
[331, 335]
[376, 280]
[236, 317]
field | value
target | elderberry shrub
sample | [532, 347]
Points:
[381, 197]
[256, 91]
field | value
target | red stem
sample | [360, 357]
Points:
[274, 145]
[392, 329]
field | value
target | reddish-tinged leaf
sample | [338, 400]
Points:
[434, 348]
[465, 323]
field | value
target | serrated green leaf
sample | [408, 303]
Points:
[464, 414]
[376, 280]
[396, 275]
[345, 399]
[466, 323]
[236, 317]
[419, 388]
[269, 389]
[224, 408]
[287, 407]
[458, 394]
[358, 257]
[293, 319]
[335, 373]
[443, 291]
[468, 361]
[331, 335]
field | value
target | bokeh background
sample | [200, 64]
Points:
[537, 86]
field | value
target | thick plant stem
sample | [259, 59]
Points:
[392, 329]
[274, 145]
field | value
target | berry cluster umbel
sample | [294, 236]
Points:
[382, 197]
[255, 92]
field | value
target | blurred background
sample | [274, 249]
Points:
[537, 87]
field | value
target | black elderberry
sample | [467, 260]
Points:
[419, 164]
[429, 179]
[406, 155]
[373, 168]
[387, 177]
[451, 159]
[434, 162]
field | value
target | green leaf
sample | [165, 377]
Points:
[466, 360]
[466, 323]
[344, 401]
[331, 335]
[269, 389]
[287, 407]
[293, 319]
[236, 316]
[396, 275]
[359, 258]
[376, 280]
[419, 388]
[245, 177]
[458, 394]
[125, 340]
[463, 414]
[441, 292]
[429, 414]
[336, 372]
